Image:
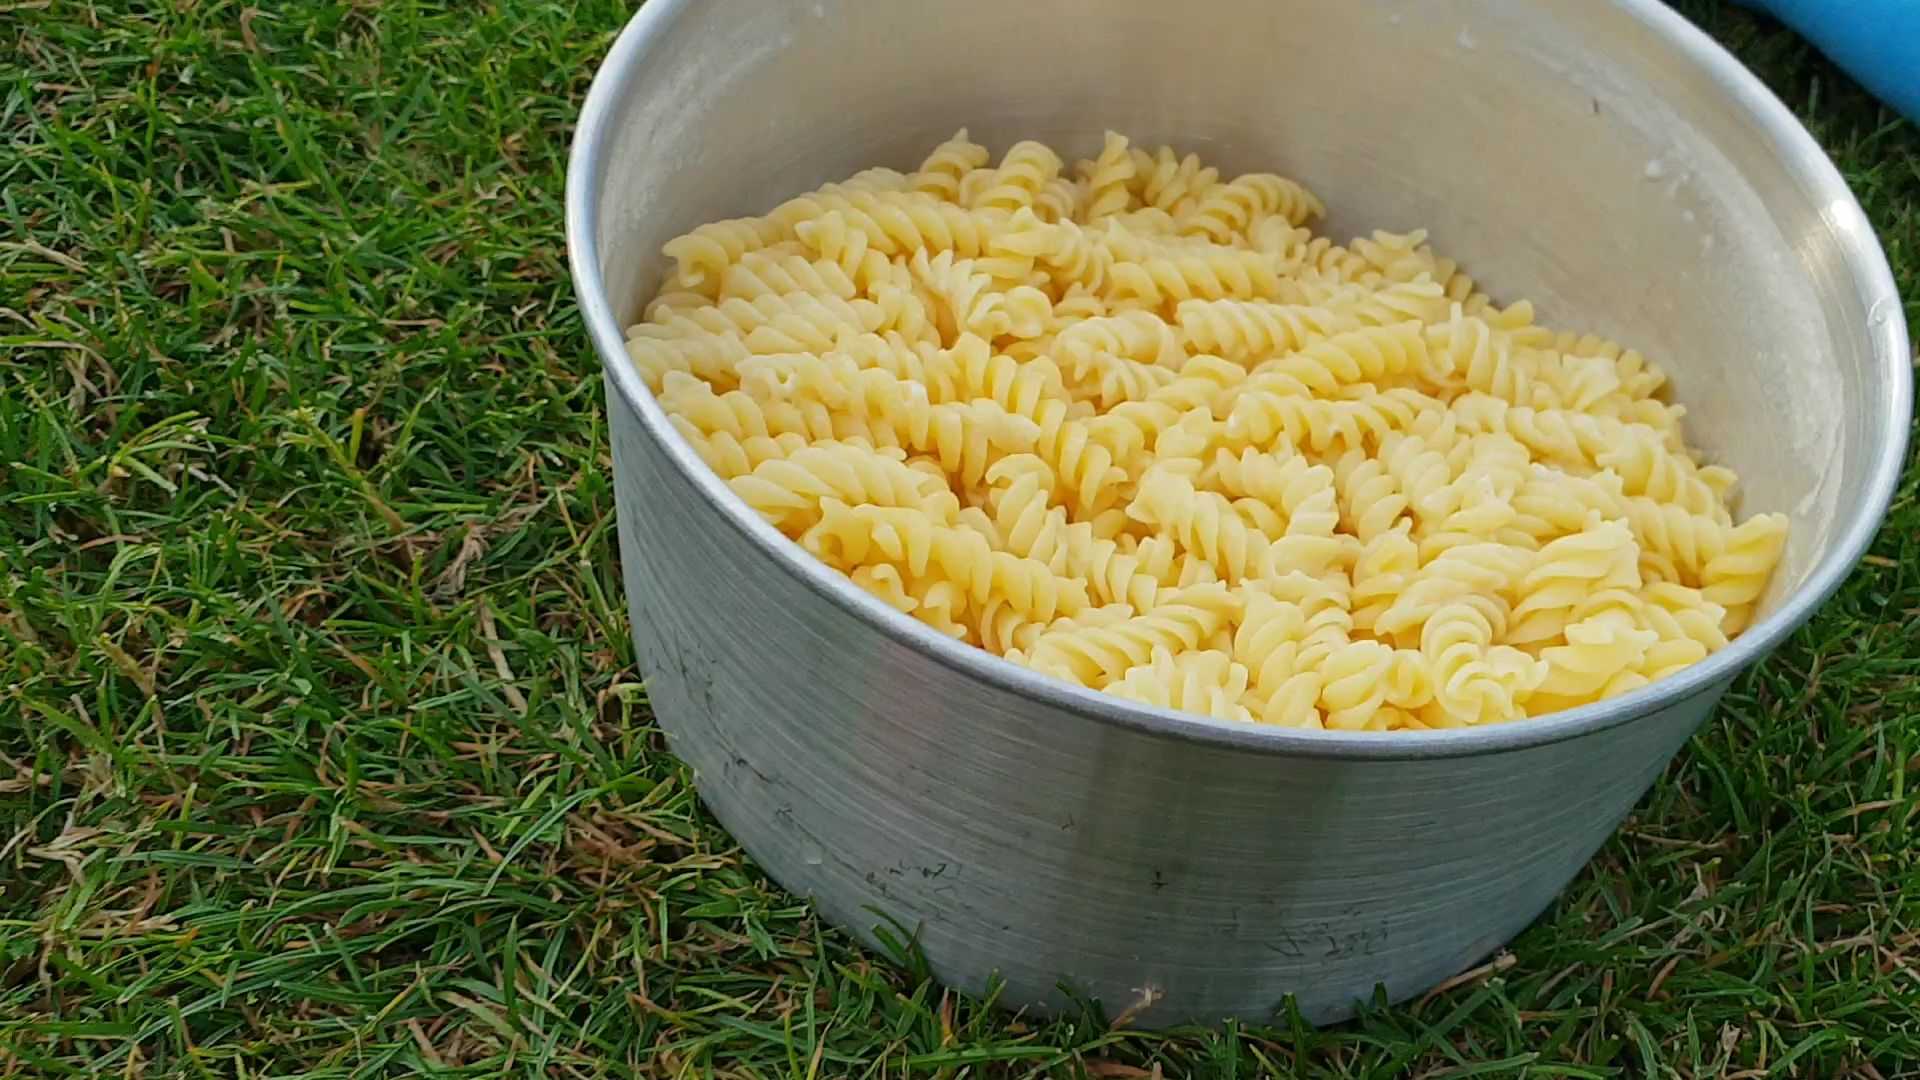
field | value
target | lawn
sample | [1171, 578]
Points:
[322, 747]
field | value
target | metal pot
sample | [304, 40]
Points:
[1606, 160]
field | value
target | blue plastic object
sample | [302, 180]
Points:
[1875, 41]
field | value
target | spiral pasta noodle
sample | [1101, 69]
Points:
[947, 167]
[1202, 681]
[1133, 425]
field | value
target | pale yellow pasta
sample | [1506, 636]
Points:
[1423, 474]
[1064, 254]
[1026, 171]
[941, 173]
[1384, 568]
[1247, 330]
[713, 358]
[764, 273]
[1485, 576]
[918, 542]
[1108, 177]
[1268, 640]
[1735, 578]
[1200, 681]
[938, 603]
[1165, 181]
[1372, 355]
[705, 253]
[890, 223]
[1600, 649]
[1031, 526]
[788, 491]
[1355, 681]
[1201, 522]
[1475, 681]
[1100, 654]
[1214, 273]
[1371, 502]
[1132, 424]
[1275, 408]
[1567, 571]
[772, 323]
[1225, 212]
[1480, 513]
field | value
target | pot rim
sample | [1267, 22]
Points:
[1818, 177]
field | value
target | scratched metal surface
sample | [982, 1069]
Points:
[1603, 159]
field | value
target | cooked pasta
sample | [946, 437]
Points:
[1133, 425]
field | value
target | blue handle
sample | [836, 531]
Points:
[1875, 41]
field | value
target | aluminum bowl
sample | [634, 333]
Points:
[1606, 160]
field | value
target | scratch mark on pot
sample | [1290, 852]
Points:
[1287, 945]
[748, 765]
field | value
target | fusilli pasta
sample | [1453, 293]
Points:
[1135, 426]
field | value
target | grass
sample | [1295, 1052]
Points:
[322, 748]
